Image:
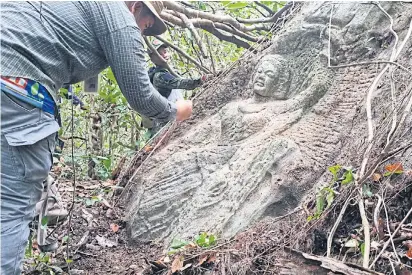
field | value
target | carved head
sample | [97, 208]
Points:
[272, 78]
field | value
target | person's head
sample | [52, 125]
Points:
[272, 78]
[147, 16]
[163, 51]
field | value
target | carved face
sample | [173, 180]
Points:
[272, 79]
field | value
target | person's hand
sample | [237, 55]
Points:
[206, 77]
[184, 109]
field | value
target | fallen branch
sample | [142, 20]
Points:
[185, 55]
[340, 267]
[366, 233]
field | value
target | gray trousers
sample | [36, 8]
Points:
[27, 143]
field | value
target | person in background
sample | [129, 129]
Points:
[168, 85]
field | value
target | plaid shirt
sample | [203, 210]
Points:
[58, 43]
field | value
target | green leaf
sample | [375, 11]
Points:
[65, 239]
[236, 5]
[110, 75]
[29, 249]
[367, 191]
[362, 248]
[107, 163]
[329, 198]
[69, 261]
[212, 239]
[388, 174]
[320, 204]
[44, 222]
[335, 170]
[177, 243]
[348, 177]
[201, 239]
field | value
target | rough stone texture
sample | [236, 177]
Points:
[259, 150]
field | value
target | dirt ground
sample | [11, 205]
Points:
[99, 245]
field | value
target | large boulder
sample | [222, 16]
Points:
[264, 136]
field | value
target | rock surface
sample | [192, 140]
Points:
[268, 140]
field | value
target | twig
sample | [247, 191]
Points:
[394, 56]
[181, 52]
[337, 222]
[366, 233]
[273, 18]
[389, 241]
[86, 254]
[394, 113]
[266, 8]
[389, 231]
[83, 240]
[393, 268]
[376, 213]
[211, 54]
[210, 250]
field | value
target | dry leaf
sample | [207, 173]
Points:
[202, 259]
[394, 168]
[409, 253]
[148, 148]
[166, 259]
[108, 183]
[177, 264]
[114, 227]
[212, 259]
[190, 246]
[106, 203]
[376, 177]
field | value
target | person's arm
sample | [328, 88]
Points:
[166, 80]
[124, 51]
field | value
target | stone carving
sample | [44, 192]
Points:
[231, 162]
[256, 158]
